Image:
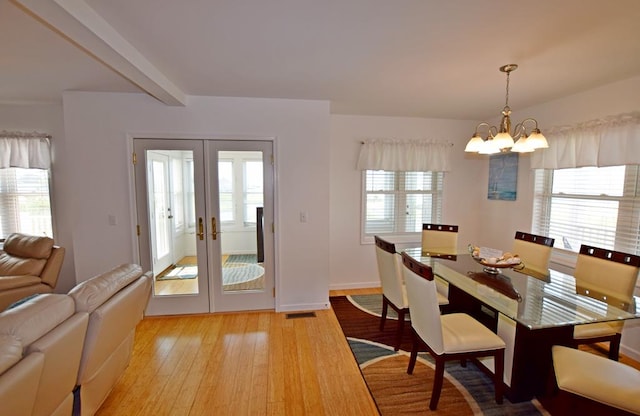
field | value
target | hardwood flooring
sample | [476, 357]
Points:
[240, 364]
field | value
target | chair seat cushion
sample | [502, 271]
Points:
[599, 329]
[597, 378]
[462, 333]
[12, 282]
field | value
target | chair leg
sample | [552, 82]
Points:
[498, 367]
[614, 347]
[414, 352]
[385, 306]
[437, 383]
[400, 329]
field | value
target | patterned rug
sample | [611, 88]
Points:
[237, 269]
[466, 390]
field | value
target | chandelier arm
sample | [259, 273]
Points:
[522, 126]
[491, 130]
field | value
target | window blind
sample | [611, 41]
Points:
[400, 202]
[25, 205]
[589, 205]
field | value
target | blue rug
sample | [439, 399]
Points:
[466, 391]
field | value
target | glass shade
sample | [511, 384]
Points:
[503, 140]
[537, 141]
[475, 144]
[522, 145]
[489, 147]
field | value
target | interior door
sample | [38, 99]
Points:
[215, 201]
[182, 286]
[240, 213]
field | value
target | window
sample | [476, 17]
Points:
[25, 205]
[398, 203]
[592, 206]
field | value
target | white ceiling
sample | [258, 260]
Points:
[425, 58]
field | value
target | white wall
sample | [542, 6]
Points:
[47, 118]
[353, 264]
[98, 155]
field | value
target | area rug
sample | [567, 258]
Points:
[181, 272]
[237, 270]
[466, 390]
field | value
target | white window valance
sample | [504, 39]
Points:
[404, 155]
[24, 150]
[611, 141]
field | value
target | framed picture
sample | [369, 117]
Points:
[503, 176]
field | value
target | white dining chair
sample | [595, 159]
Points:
[394, 294]
[455, 336]
[534, 251]
[609, 276]
[590, 384]
[439, 239]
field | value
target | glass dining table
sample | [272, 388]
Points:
[530, 311]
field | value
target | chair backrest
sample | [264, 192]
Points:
[534, 251]
[48, 324]
[390, 271]
[439, 238]
[606, 274]
[115, 301]
[425, 311]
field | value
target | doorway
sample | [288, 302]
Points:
[203, 207]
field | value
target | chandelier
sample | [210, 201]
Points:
[501, 139]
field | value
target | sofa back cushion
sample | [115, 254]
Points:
[36, 317]
[92, 293]
[24, 254]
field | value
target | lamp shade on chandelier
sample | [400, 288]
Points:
[502, 138]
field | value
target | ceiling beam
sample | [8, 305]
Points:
[84, 27]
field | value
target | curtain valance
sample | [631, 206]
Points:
[404, 155]
[610, 141]
[24, 150]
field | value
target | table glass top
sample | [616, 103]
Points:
[536, 301]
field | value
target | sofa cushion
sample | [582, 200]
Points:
[31, 246]
[36, 317]
[16, 266]
[11, 282]
[10, 352]
[92, 293]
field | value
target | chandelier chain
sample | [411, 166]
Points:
[506, 99]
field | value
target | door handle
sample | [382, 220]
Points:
[214, 229]
[200, 229]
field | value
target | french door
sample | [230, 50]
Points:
[207, 206]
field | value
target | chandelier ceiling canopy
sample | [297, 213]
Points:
[502, 138]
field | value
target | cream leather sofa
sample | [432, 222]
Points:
[61, 354]
[115, 302]
[28, 265]
[44, 329]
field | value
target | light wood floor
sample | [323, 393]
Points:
[241, 364]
